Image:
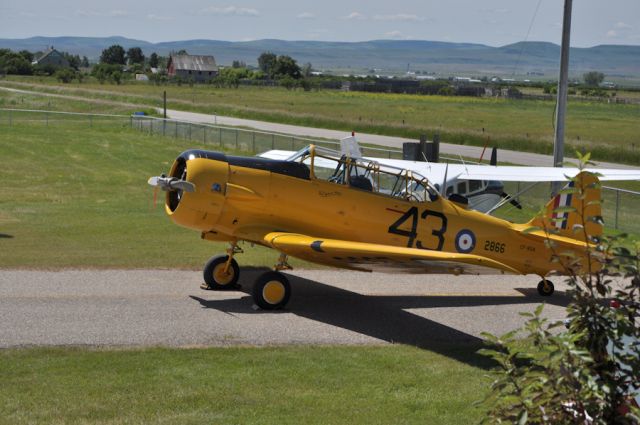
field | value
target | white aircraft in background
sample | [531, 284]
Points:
[481, 185]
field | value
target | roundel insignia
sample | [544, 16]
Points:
[465, 241]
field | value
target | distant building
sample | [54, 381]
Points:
[192, 67]
[52, 57]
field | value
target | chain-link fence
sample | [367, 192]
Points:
[619, 206]
[240, 139]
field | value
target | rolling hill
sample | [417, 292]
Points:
[432, 56]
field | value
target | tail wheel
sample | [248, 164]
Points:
[545, 288]
[271, 291]
[215, 276]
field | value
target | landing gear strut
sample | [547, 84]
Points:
[222, 271]
[545, 288]
[272, 290]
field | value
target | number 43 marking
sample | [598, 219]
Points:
[413, 233]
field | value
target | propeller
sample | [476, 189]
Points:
[512, 200]
[171, 183]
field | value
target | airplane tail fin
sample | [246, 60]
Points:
[575, 206]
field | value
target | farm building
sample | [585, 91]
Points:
[52, 57]
[192, 67]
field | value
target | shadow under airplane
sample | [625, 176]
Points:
[382, 317]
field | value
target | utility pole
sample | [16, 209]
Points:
[558, 143]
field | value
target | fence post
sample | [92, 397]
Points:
[273, 141]
[47, 117]
[90, 120]
[617, 208]
[10, 118]
[253, 142]
[151, 127]
[204, 135]
[176, 136]
[237, 131]
[220, 137]
[292, 144]
[131, 121]
[189, 131]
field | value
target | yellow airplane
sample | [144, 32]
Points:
[355, 213]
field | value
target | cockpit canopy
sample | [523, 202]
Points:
[365, 174]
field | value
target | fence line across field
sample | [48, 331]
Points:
[619, 205]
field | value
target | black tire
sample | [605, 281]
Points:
[271, 291]
[545, 288]
[213, 276]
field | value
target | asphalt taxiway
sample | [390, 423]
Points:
[167, 308]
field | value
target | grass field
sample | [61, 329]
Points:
[610, 131]
[77, 196]
[274, 385]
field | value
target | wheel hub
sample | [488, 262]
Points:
[273, 292]
[222, 277]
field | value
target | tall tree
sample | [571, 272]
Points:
[135, 55]
[154, 60]
[114, 55]
[287, 66]
[267, 63]
[593, 78]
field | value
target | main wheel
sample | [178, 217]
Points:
[545, 288]
[271, 291]
[215, 276]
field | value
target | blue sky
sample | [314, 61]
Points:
[492, 22]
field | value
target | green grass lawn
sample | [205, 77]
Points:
[77, 196]
[272, 385]
[610, 131]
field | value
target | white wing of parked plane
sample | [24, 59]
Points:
[436, 172]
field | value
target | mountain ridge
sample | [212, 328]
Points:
[538, 58]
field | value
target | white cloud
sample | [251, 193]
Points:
[399, 17]
[397, 35]
[611, 34]
[622, 25]
[230, 10]
[159, 18]
[306, 15]
[96, 14]
[354, 16]
[117, 13]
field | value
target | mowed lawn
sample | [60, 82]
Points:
[610, 130]
[271, 385]
[77, 196]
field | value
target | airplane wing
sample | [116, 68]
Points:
[375, 257]
[436, 172]
[506, 173]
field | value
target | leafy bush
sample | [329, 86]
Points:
[65, 75]
[588, 372]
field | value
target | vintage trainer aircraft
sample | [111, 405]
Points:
[355, 213]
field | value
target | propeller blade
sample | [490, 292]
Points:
[512, 200]
[171, 183]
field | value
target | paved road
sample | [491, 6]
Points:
[166, 307]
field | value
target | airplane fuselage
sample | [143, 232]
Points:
[239, 198]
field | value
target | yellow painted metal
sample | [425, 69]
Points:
[413, 236]
[273, 292]
[222, 276]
